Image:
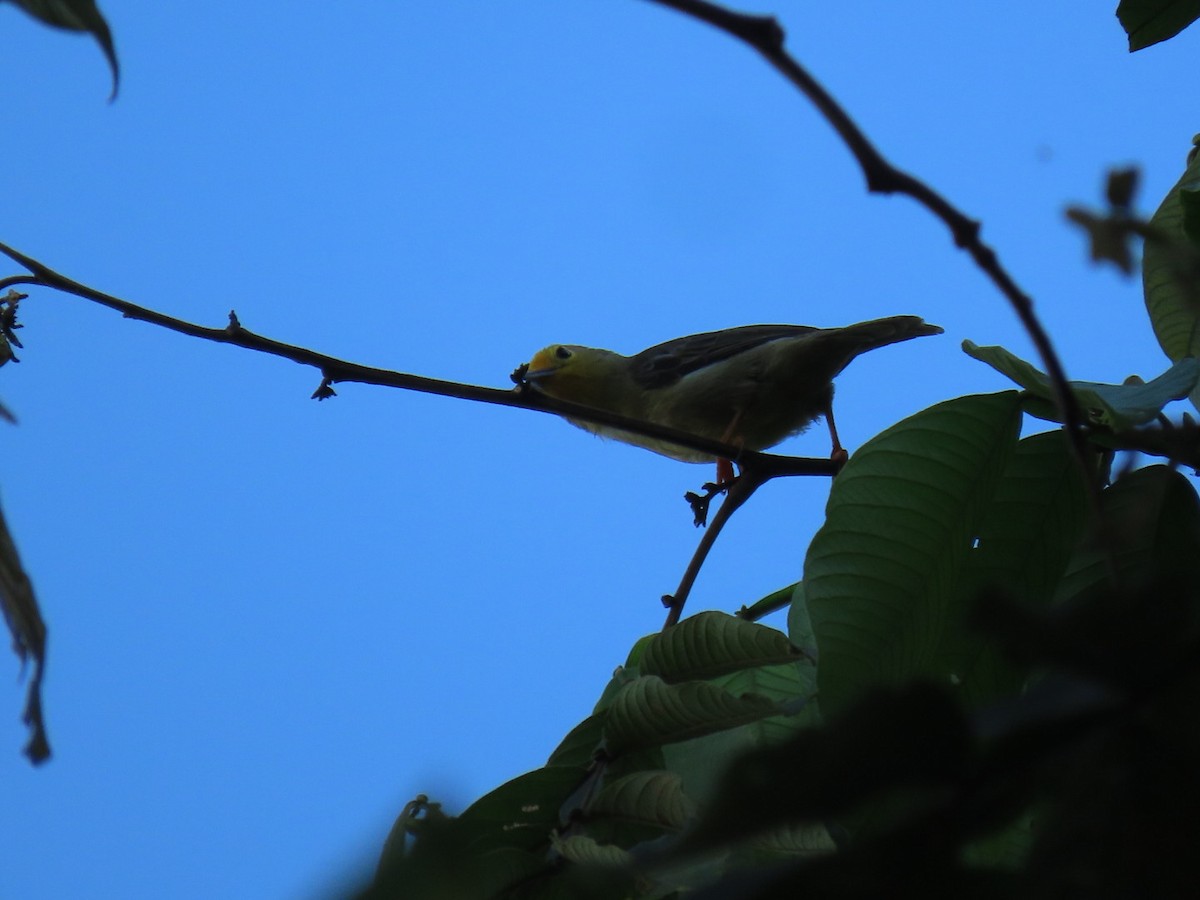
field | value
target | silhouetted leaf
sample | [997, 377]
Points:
[1148, 22]
[28, 637]
[77, 15]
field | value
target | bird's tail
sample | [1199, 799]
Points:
[856, 339]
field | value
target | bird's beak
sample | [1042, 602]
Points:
[540, 367]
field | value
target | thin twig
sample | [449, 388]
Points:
[765, 35]
[738, 493]
[756, 471]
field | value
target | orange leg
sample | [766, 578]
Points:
[839, 452]
[724, 470]
[725, 466]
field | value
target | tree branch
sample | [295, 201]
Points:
[335, 370]
[765, 35]
[757, 467]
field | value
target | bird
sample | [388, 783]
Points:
[751, 386]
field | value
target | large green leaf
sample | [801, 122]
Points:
[1117, 406]
[520, 813]
[1168, 279]
[1151, 21]
[883, 575]
[1027, 536]
[579, 746]
[1033, 523]
[445, 861]
[800, 630]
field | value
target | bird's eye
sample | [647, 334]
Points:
[562, 353]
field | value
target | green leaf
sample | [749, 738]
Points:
[622, 676]
[645, 798]
[1152, 521]
[520, 813]
[882, 578]
[1033, 523]
[1026, 538]
[714, 643]
[1168, 271]
[1189, 202]
[790, 842]
[1116, 406]
[800, 630]
[580, 745]
[701, 761]
[586, 851]
[788, 684]
[649, 712]
[1148, 22]
[77, 15]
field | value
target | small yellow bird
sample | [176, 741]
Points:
[751, 386]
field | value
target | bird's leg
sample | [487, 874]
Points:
[725, 477]
[725, 466]
[839, 453]
[724, 470]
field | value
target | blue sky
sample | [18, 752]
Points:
[273, 621]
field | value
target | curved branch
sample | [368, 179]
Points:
[335, 370]
[737, 493]
[757, 470]
[765, 35]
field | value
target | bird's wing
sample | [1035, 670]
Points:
[664, 364]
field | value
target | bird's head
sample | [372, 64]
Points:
[578, 374]
[550, 362]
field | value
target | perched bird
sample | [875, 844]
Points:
[751, 386]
